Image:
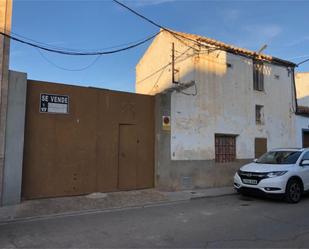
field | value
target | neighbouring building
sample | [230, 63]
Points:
[226, 105]
[5, 26]
[302, 114]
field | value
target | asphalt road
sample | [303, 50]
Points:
[230, 221]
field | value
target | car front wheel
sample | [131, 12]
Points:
[293, 191]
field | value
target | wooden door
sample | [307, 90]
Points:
[260, 146]
[306, 139]
[127, 157]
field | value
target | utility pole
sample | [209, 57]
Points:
[173, 65]
[5, 26]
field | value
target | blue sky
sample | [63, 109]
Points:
[100, 24]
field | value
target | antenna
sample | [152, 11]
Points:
[262, 48]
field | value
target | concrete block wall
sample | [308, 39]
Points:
[5, 25]
[14, 142]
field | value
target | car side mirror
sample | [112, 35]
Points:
[255, 160]
[304, 162]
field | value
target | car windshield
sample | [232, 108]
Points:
[279, 157]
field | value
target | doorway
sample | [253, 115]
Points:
[127, 157]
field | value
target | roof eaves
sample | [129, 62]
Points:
[237, 50]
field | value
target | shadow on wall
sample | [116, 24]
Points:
[193, 165]
[220, 102]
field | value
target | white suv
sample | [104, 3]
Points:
[280, 171]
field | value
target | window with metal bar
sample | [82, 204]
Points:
[225, 148]
[259, 115]
[258, 76]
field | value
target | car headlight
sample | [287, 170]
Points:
[276, 173]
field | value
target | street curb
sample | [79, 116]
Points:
[89, 211]
[106, 210]
[212, 196]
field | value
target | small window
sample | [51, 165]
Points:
[259, 115]
[225, 148]
[260, 146]
[258, 76]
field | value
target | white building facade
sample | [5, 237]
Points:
[302, 117]
[226, 103]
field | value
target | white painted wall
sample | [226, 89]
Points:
[302, 123]
[225, 100]
[225, 103]
[154, 70]
[302, 88]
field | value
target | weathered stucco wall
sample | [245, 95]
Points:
[14, 144]
[302, 124]
[302, 88]
[5, 25]
[224, 101]
[154, 70]
[185, 174]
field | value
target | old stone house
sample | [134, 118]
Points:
[227, 105]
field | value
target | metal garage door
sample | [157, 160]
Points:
[94, 141]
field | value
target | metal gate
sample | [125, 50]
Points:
[81, 140]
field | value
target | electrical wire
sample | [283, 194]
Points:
[68, 69]
[302, 62]
[160, 26]
[165, 66]
[67, 52]
[70, 49]
[41, 43]
[175, 34]
[156, 83]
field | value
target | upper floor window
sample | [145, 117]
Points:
[259, 114]
[258, 76]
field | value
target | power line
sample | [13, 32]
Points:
[302, 62]
[69, 69]
[67, 52]
[140, 15]
[70, 49]
[165, 66]
[41, 43]
[175, 34]
[160, 26]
